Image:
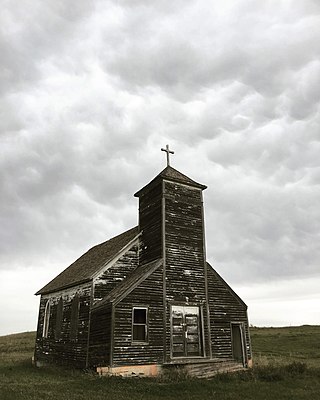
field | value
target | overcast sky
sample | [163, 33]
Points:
[90, 92]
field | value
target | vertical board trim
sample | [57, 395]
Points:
[112, 334]
[164, 276]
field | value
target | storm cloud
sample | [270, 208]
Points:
[90, 92]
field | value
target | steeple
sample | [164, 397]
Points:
[171, 202]
[172, 175]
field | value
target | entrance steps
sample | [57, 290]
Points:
[210, 368]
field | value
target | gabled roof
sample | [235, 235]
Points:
[173, 175]
[131, 282]
[91, 262]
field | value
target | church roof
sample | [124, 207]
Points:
[83, 269]
[171, 174]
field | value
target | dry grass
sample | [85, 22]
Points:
[287, 367]
[280, 346]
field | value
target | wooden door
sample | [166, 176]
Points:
[185, 322]
[238, 348]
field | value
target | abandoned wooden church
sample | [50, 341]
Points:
[146, 299]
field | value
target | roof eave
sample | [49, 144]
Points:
[169, 179]
[42, 291]
[115, 299]
[116, 256]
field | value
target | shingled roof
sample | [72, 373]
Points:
[92, 261]
[173, 175]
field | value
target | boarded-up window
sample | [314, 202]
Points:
[46, 320]
[74, 318]
[140, 324]
[59, 319]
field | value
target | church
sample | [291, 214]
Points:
[147, 300]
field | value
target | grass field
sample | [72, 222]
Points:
[287, 366]
[287, 345]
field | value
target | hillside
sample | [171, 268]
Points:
[285, 345]
[287, 366]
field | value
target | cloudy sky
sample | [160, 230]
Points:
[90, 92]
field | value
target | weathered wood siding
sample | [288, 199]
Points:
[64, 351]
[116, 273]
[147, 294]
[185, 258]
[172, 229]
[184, 243]
[101, 318]
[100, 336]
[225, 308]
[150, 223]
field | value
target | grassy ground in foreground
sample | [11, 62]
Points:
[288, 367]
[285, 345]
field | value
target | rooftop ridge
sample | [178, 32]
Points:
[90, 262]
[172, 174]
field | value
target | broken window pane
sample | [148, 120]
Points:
[139, 325]
[139, 316]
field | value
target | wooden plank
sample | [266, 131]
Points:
[64, 350]
[224, 309]
[126, 352]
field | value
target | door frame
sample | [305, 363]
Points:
[200, 327]
[243, 341]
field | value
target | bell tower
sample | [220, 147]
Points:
[172, 228]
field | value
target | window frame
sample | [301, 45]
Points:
[146, 325]
[59, 320]
[46, 320]
[74, 318]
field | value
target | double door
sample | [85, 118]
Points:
[186, 338]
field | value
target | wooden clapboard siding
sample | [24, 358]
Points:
[147, 294]
[150, 223]
[116, 273]
[65, 350]
[100, 336]
[157, 265]
[184, 243]
[184, 254]
[225, 307]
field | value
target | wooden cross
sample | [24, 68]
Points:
[168, 154]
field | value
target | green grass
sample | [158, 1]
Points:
[284, 345]
[287, 367]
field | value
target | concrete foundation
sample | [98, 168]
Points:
[131, 370]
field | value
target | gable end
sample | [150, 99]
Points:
[230, 290]
[130, 283]
[85, 267]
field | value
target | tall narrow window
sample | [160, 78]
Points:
[140, 324]
[59, 319]
[46, 320]
[74, 318]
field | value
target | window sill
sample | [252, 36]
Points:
[139, 343]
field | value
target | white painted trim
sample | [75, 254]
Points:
[68, 291]
[108, 264]
[46, 320]
[183, 184]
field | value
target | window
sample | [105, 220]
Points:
[46, 320]
[140, 324]
[74, 318]
[59, 319]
